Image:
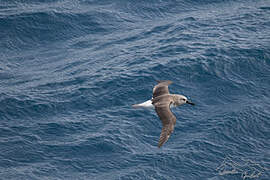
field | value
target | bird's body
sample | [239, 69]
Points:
[162, 101]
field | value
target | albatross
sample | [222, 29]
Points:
[162, 101]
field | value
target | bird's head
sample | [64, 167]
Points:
[180, 99]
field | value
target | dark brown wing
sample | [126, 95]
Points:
[167, 118]
[165, 134]
[161, 88]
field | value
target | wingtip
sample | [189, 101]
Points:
[160, 144]
[162, 81]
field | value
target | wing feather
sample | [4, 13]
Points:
[161, 88]
[167, 118]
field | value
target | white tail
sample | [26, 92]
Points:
[146, 104]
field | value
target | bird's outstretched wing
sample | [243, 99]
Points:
[167, 118]
[161, 88]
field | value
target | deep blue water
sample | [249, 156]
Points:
[71, 69]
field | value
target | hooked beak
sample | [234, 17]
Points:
[191, 103]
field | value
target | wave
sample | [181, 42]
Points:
[70, 71]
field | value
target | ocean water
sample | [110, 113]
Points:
[71, 69]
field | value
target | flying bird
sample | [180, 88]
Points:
[162, 101]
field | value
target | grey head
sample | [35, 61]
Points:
[180, 99]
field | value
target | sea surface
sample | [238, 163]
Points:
[70, 71]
